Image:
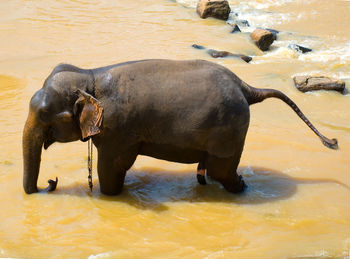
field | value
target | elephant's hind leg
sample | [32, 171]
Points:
[201, 173]
[112, 168]
[224, 170]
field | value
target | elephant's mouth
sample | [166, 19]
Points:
[48, 143]
[84, 139]
[49, 139]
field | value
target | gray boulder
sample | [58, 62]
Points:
[311, 83]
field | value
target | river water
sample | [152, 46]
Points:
[298, 200]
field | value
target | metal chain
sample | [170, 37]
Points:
[90, 163]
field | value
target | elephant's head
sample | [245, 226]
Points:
[61, 111]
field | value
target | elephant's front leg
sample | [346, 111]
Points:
[112, 167]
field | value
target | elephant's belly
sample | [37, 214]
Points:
[172, 153]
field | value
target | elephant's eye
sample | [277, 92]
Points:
[65, 116]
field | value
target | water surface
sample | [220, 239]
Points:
[298, 200]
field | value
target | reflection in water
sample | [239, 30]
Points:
[153, 189]
[145, 189]
[298, 207]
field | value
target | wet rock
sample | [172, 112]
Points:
[196, 46]
[235, 28]
[237, 22]
[243, 23]
[219, 9]
[273, 31]
[262, 38]
[312, 83]
[222, 54]
[299, 48]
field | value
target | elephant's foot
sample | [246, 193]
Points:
[201, 177]
[236, 186]
[113, 184]
[111, 192]
[224, 170]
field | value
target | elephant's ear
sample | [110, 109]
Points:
[90, 114]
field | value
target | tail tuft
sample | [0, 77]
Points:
[330, 143]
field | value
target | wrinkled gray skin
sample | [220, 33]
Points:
[182, 111]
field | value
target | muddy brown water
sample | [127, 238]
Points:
[298, 200]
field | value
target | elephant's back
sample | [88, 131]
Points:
[165, 83]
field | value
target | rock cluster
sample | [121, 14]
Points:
[219, 9]
[310, 83]
[263, 38]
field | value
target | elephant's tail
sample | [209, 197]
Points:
[255, 95]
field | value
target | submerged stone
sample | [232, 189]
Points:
[221, 54]
[219, 9]
[196, 46]
[243, 23]
[299, 48]
[235, 28]
[312, 83]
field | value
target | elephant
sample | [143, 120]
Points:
[191, 111]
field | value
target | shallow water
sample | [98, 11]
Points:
[298, 200]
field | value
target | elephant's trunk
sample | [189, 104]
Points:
[32, 142]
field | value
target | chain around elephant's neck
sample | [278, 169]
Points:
[90, 163]
[90, 146]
